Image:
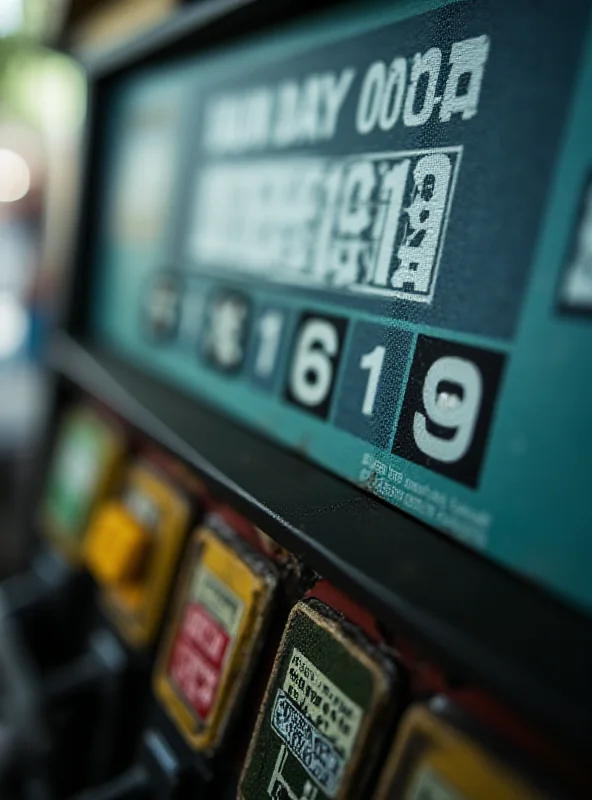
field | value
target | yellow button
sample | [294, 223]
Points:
[222, 607]
[116, 545]
[136, 560]
[432, 758]
[132, 596]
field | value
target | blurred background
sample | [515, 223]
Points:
[43, 47]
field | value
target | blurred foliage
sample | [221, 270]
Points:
[38, 86]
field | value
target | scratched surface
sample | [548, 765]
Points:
[367, 240]
[327, 695]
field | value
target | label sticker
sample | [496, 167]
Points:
[432, 759]
[308, 687]
[318, 728]
[221, 610]
[315, 752]
[208, 629]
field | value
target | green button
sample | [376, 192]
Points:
[325, 710]
[83, 450]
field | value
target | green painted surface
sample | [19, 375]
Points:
[519, 494]
[312, 727]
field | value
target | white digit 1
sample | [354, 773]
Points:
[457, 411]
[311, 375]
[226, 332]
[270, 328]
[373, 363]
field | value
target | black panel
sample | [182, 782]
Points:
[480, 623]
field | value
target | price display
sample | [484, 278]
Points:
[376, 256]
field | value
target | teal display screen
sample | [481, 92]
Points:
[369, 237]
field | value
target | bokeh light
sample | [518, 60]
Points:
[14, 325]
[15, 176]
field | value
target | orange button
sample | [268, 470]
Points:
[116, 545]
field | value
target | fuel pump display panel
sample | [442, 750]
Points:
[365, 237]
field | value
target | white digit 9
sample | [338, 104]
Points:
[456, 410]
[311, 375]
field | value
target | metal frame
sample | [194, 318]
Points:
[481, 624]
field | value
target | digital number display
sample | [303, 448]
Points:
[373, 224]
[366, 250]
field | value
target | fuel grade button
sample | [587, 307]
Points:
[324, 711]
[86, 460]
[132, 548]
[433, 759]
[221, 611]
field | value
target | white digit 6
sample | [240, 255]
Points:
[456, 411]
[311, 374]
